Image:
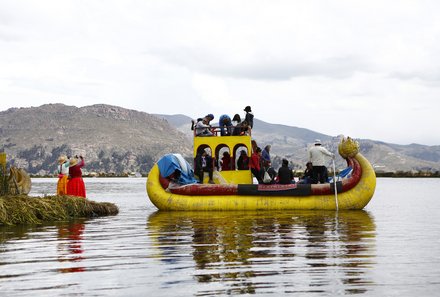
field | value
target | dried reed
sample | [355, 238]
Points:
[23, 209]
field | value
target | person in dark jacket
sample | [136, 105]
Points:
[203, 163]
[249, 118]
[243, 161]
[285, 174]
[308, 174]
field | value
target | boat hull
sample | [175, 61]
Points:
[355, 198]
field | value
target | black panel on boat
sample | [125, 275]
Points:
[338, 187]
[252, 190]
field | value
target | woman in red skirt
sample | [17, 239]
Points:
[75, 186]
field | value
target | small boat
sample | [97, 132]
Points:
[234, 188]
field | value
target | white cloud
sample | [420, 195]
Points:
[366, 68]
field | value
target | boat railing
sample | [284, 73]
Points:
[216, 131]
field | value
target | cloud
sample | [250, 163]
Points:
[262, 66]
[370, 67]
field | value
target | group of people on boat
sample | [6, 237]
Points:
[70, 181]
[315, 172]
[226, 125]
[259, 160]
[260, 165]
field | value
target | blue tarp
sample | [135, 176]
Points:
[169, 163]
[346, 173]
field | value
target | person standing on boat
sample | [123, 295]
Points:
[249, 117]
[203, 163]
[225, 124]
[75, 186]
[254, 164]
[203, 127]
[63, 174]
[317, 155]
[285, 174]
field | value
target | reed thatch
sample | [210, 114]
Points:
[23, 209]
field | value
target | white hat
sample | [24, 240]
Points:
[317, 141]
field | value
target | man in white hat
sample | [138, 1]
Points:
[317, 155]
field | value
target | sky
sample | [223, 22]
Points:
[367, 69]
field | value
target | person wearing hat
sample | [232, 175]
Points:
[75, 186]
[63, 174]
[249, 117]
[317, 155]
[203, 127]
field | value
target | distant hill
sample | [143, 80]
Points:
[112, 139]
[293, 142]
[117, 140]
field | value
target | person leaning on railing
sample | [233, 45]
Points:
[203, 127]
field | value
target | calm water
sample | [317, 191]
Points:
[389, 249]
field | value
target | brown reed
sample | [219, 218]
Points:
[22, 209]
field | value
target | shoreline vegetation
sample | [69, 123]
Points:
[23, 209]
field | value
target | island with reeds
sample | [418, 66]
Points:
[23, 209]
[16, 207]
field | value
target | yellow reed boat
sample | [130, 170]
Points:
[234, 189]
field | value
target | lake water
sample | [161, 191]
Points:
[389, 249]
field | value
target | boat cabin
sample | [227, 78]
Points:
[235, 146]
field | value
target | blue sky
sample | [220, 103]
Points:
[366, 69]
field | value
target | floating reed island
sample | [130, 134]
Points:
[23, 209]
[16, 207]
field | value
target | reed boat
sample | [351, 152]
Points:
[234, 189]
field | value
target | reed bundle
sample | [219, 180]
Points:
[23, 209]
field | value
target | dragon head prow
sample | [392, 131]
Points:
[348, 147]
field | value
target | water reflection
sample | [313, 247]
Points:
[266, 252]
[70, 237]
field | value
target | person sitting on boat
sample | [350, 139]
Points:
[203, 127]
[243, 161]
[193, 123]
[317, 155]
[254, 164]
[270, 177]
[241, 129]
[265, 156]
[203, 163]
[225, 124]
[249, 117]
[63, 174]
[308, 173]
[226, 161]
[285, 174]
[236, 120]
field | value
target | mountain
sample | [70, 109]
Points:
[292, 143]
[117, 140]
[112, 139]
